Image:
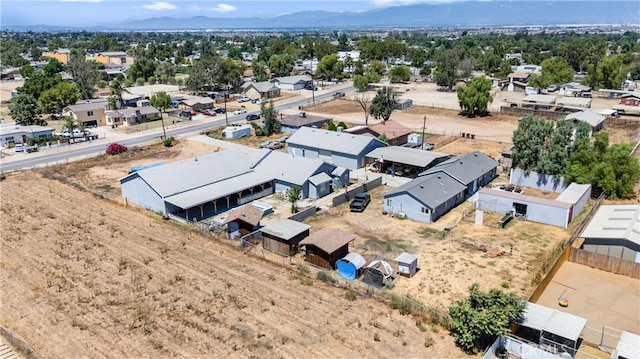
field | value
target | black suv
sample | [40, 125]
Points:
[186, 114]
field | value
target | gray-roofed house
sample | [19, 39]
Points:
[426, 198]
[291, 123]
[130, 115]
[263, 89]
[338, 148]
[196, 103]
[409, 161]
[614, 231]
[473, 170]
[90, 113]
[292, 83]
[593, 119]
[199, 187]
[282, 237]
[312, 175]
[325, 246]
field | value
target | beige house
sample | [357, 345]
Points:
[196, 103]
[130, 115]
[264, 89]
[89, 114]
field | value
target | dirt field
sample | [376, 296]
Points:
[83, 277]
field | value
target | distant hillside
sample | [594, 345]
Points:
[458, 14]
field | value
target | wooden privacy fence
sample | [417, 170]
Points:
[605, 263]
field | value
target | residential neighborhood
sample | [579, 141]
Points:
[449, 192]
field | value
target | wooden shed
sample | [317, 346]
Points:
[407, 264]
[326, 246]
[243, 220]
[282, 237]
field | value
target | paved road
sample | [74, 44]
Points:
[85, 149]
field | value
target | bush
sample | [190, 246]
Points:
[116, 149]
[102, 84]
[168, 142]
[140, 81]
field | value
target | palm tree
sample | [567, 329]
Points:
[348, 61]
[117, 89]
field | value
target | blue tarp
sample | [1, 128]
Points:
[349, 266]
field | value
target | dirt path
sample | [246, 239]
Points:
[83, 277]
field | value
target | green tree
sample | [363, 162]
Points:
[361, 82]
[383, 104]
[141, 68]
[84, 73]
[555, 155]
[377, 67]
[383, 138]
[555, 70]
[475, 97]
[480, 318]
[293, 195]
[38, 83]
[27, 71]
[56, 98]
[23, 108]
[117, 91]
[348, 62]
[329, 67]
[634, 73]
[610, 73]
[400, 74]
[270, 119]
[281, 65]
[259, 70]
[528, 141]
[162, 101]
[446, 73]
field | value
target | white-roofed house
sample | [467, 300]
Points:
[263, 89]
[199, 187]
[338, 148]
[312, 175]
[292, 83]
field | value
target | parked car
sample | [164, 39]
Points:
[220, 110]
[19, 147]
[360, 202]
[240, 111]
[338, 94]
[265, 144]
[553, 88]
[257, 101]
[186, 114]
[253, 117]
[244, 99]
[209, 112]
[310, 87]
[275, 145]
[428, 146]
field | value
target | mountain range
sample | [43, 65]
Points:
[456, 14]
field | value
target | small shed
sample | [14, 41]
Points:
[403, 104]
[324, 247]
[319, 185]
[628, 345]
[350, 266]
[407, 264]
[237, 131]
[377, 273]
[282, 237]
[243, 220]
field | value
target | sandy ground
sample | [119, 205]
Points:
[601, 297]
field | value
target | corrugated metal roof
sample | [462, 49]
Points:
[465, 168]
[615, 222]
[540, 99]
[524, 198]
[319, 178]
[285, 228]
[629, 345]
[430, 190]
[197, 101]
[406, 258]
[354, 258]
[289, 168]
[406, 155]
[590, 117]
[553, 321]
[333, 141]
[177, 177]
[573, 193]
[575, 101]
[210, 192]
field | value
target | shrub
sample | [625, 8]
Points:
[350, 296]
[116, 149]
[168, 142]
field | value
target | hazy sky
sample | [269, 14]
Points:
[104, 12]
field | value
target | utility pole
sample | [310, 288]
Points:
[226, 117]
[313, 90]
[424, 125]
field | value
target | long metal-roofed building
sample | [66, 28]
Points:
[338, 148]
[199, 187]
[614, 231]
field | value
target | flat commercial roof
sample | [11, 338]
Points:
[406, 155]
[217, 190]
[573, 193]
[285, 228]
[552, 321]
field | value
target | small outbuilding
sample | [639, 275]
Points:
[350, 266]
[377, 274]
[403, 104]
[324, 247]
[243, 220]
[233, 132]
[282, 237]
[407, 264]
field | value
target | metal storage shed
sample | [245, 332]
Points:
[349, 267]
[553, 325]
[407, 264]
[628, 346]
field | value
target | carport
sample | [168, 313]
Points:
[404, 161]
[554, 330]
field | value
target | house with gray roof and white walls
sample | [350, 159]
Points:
[473, 170]
[338, 148]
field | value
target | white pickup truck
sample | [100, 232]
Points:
[77, 133]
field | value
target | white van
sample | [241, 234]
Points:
[531, 90]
